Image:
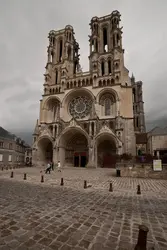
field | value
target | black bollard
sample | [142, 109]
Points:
[62, 182]
[42, 178]
[142, 238]
[110, 189]
[25, 176]
[85, 184]
[138, 189]
[11, 176]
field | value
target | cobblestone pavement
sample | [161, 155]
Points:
[48, 216]
[99, 179]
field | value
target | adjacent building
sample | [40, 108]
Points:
[12, 149]
[87, 118]
[157, 142]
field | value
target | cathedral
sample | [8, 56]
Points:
[88, 118]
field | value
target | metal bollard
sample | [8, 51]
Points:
[85, 184]
[25, 176]
[62, 182]
[42, 178]
[111, 188]
[142, 238]
[11, 176]
[138, 189]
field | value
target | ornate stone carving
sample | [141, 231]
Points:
[80, 107]
[108, 96]
[105, 128]
[44, 131]
[73, 123]
[119, 122]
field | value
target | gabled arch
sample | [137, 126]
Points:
[44, 137]
[68, 131]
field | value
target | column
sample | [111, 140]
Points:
[91, 153]
[55, 155]
[117, 108]
[53, 131]
[49, 55]
[90, 129]
[61, 156]
[40, 112]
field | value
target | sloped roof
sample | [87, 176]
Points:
[158, 131]
[5, 134]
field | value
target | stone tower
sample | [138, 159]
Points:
[86, 118]
[138, 106]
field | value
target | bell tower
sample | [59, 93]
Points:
[63, 57]
[106, 54]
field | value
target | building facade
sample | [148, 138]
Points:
[87, 118]
[157, 142]
[12, 149]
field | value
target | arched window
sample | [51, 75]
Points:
[56, 76]
[102, 68]
[69, 53]
[107, 106]
[60, 50]
[109, 66]
[105, 42]
[52, 56]
[70, 37]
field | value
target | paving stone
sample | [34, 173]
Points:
[50, 217]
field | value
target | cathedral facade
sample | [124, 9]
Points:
[87, 118]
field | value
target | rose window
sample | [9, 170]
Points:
[80, 107]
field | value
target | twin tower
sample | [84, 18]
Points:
[87, 118]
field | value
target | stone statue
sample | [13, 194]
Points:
[79, 68]
[119, 121]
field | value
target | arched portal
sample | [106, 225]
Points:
[106, 151]
[45, 148]
[75, 149]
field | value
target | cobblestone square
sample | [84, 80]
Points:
[47, 216]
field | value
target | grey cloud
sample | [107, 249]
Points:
[24, 26]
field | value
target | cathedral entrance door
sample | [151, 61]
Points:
[80, 159]
[76, 160]
[76, 149]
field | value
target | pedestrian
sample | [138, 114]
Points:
[48, 168]
[58, 166]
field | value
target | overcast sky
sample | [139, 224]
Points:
[24, 26]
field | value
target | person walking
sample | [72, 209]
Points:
[48, 168]
[59, 167]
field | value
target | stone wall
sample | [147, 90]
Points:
[142, 171]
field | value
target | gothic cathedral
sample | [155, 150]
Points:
[87, 118]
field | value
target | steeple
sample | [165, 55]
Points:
[133, 78]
